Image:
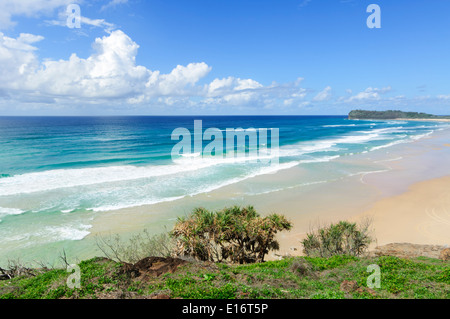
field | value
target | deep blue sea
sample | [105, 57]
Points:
[56, 172]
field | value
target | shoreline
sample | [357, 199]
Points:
[424, 120]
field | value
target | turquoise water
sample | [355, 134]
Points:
[56, 173]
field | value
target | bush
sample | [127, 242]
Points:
[137, 247]
[235, 234]
[343, 238]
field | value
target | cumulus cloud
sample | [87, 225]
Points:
[110, 72]
[369, 94]
[17, 58]
[235, 91]
[111, 75]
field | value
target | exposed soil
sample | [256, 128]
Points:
[152, 267]
[406, 250]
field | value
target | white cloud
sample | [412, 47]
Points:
[323, 95]
[99, 23]
[370, 94]
[178, 80]
[113, 3]
[29, 8]
[109, 73]
[17, 58]
[232, 91]
[231, 85]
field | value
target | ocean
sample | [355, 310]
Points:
[58, 173]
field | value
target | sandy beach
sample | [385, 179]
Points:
[424, 120]
[421, 215]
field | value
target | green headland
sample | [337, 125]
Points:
[393, 115]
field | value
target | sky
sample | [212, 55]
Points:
[217, 57]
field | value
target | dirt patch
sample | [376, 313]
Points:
[152, 267]
[405, 250]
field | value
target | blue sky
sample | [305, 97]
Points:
[223, 57]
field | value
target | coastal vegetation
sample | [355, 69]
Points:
[342, 238]
[220, 255]
[234, 234]
[391, 115]
[336, 277]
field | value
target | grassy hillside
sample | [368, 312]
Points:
[299, 277]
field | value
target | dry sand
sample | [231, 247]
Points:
[419, 216]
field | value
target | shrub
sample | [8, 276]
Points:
[343, 238]
[239, 235]
[137, 247]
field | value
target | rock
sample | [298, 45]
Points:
[445, 254]
[348, 286]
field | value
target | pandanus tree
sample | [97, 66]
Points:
[234, 234]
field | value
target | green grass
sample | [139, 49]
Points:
[300, 277]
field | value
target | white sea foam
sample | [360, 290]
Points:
[343, 125]
[419, 136]
[287, 187]
[388, 145]
[389, 160]
[133, 204]
[329, 144]
[396, 122]
[350, 125]
[364, 174]
[66, 178]
[66, 232]
[10, 211]
[49, 234]
[262, 171]
[319, 160]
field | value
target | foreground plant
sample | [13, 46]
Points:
[234, 234]
[343, 238]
